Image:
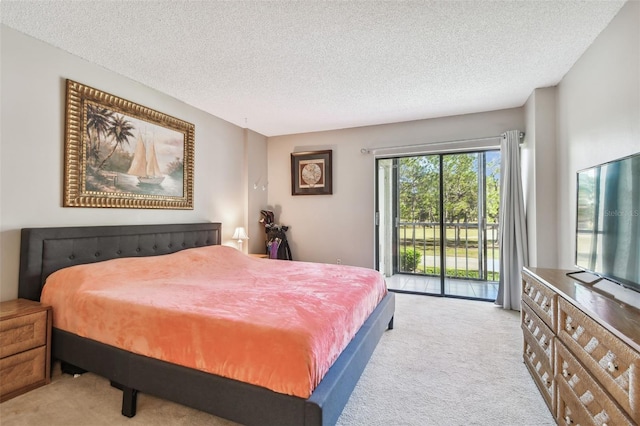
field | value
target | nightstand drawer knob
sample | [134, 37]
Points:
[568, 420]
[611, 366]
[565, 373]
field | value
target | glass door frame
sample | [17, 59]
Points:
[395, 250]
[482, 214]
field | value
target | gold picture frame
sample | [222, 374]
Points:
[311, 173]
[124, 155]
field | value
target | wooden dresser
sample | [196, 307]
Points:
[25, 347]
[582, 348]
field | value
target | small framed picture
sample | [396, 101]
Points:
[311, 173]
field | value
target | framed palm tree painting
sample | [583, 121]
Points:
[121, 154]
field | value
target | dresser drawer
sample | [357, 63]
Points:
[20, 371]
[609, 360]
[538, 331]
[541, 370]
[540, 298]
[23, 333]
[581, 401]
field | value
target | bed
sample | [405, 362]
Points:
[47, 250]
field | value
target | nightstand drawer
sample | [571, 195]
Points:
[613, 363]
[23, 333]
[22, 370]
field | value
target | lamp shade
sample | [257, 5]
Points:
[240, 234]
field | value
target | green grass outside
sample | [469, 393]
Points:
[428, 233]
[452, 273]
[427, 241]
[471, 252]
[413, 261]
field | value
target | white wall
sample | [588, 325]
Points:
[31, 167]
[341, 226]
[257, 190]
[598, 114]
[539, 177]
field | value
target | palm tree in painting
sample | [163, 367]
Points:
[120, 132]
[97, 125]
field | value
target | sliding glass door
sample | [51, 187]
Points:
[437, 219]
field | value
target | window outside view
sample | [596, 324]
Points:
[447, 204]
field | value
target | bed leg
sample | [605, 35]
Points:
[390, 327]
[129, 400]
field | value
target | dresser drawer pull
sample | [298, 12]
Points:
[611, 366]
[568, 420]
[565, 373]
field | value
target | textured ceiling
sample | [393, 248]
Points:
[285, 67]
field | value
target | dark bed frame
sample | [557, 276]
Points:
[45, 250]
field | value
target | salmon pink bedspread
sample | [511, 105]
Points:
[272, 323]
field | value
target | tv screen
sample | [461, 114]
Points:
[608, 221]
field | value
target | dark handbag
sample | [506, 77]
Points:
[277, 244]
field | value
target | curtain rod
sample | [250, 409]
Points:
[425, 145]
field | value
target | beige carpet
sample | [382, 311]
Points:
[447, 362]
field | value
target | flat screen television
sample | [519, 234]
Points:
[608, 221]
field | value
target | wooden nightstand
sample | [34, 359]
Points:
[259, 255]
[25, 347]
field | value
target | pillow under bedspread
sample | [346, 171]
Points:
[271, 323]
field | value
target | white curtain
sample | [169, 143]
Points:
[512, 233]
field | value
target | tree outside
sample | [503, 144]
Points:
[110, 139]
[419, 201]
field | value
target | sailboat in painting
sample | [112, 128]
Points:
[146, 168]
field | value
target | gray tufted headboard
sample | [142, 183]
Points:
[45, 250]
